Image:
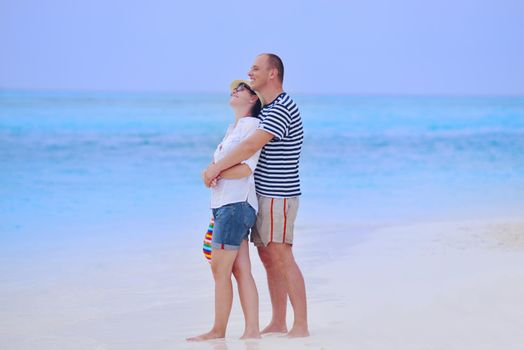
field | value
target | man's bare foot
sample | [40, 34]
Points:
[274, 328]
[207, 336]
[251, 335]
[298, 332]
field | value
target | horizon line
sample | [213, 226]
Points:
[297, 93]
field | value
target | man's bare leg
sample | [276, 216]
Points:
[222, 266]
[295, 287]
[277, 291]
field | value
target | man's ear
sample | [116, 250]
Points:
[273, 73]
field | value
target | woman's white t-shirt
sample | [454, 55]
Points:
[236, 190]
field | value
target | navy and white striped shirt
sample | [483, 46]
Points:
[276, 174]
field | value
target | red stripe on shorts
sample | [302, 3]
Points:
[285, 219]
[271, 214]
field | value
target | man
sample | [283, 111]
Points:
[277, 184]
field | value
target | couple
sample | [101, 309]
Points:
[260, 150]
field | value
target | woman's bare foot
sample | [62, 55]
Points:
[207, 336]
[251, 335]
[274, 328]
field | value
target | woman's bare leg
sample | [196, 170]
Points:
[222, 266]
[247, 291]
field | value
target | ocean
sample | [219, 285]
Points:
[109, 167]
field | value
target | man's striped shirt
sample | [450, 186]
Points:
[276, 174]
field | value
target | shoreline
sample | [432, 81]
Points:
[433, 285]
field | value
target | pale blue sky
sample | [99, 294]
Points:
[347, 47]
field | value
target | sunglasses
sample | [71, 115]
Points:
[242, 87]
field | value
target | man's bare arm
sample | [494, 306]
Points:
[236, 172]
[242, 152]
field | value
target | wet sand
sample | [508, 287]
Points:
[435, 285]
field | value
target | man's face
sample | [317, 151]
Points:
[259, 73]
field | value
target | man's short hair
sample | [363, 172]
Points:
[275, 62]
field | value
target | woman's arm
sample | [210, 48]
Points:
[243, 151]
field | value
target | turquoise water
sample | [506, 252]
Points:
[118, 165]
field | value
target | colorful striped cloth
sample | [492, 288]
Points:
[207, 240]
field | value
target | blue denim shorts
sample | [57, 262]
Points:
[232, 225]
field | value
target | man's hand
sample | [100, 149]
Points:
[210, 174]
[214, 182]
[242, 152]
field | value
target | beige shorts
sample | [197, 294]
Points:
[275, 220]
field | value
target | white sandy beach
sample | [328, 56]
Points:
[440, 285]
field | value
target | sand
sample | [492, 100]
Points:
[434, 285]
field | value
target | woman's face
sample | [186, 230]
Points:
[241, 97]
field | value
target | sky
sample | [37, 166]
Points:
[450, 47]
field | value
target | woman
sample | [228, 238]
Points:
[234, 205]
